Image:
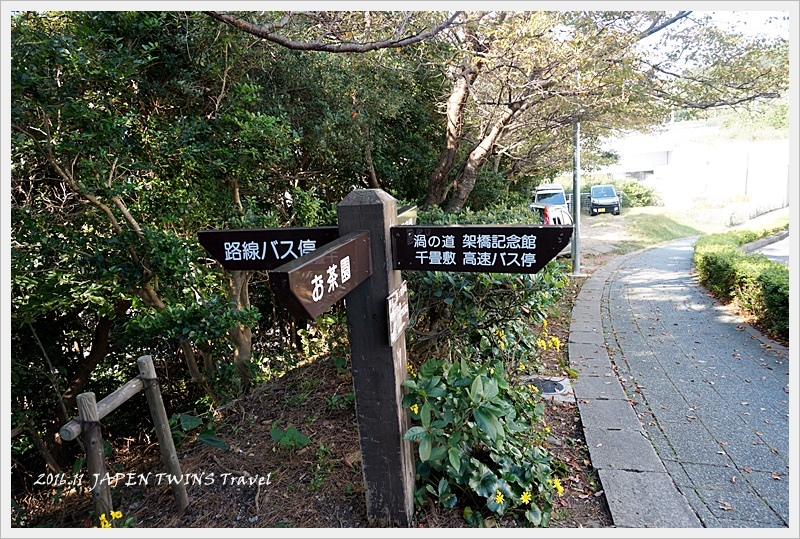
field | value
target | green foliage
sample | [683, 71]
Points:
[451, 310]
[478, 439]
[752, 281]
[290, 437]
[182, 424]
[320, 467]
[340, 402]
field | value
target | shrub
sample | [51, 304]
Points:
[477, 439]
[774, 281]
[756, 284]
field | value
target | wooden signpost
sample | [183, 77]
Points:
[373, 242]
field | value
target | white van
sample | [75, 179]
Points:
[551, 196]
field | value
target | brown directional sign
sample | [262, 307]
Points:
[263, 248]
[477, 248]
[309, 285]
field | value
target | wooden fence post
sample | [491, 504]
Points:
[161, 422]
[379, 367]
[95, 454]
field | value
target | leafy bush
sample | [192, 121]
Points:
[774, 281]
[477, 439]
[753, 282]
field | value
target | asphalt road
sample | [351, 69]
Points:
[777, 252]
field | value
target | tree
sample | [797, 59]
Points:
[121, 149]
[535, 73]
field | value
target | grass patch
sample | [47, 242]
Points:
[653, 227]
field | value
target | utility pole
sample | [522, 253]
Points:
[576, 197]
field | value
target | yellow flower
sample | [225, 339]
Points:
[411, 370]
[533, 388]
[526, 497]
[541, 343]
[491, 370]
[555, 342]
[104, 523]
[116, 514]
[415, 408]
[544, 323]
[557, 485]
[498, 498]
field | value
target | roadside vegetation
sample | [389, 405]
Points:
[758, 287]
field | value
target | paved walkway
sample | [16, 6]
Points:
[685, 408]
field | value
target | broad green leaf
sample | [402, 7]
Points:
[414, 433]
[486, 422]
[425, 449]
[189, 422]
[454, 456]
[209, 437]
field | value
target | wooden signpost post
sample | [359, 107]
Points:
[361, 261]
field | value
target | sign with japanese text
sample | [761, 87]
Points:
[263, 248]
[398, 312]
[310, 284]
[477, 248]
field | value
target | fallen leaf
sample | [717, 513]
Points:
[776, 476]
[733, 479]
[747, 469]
[725, 506]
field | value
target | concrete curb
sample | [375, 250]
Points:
[639, 491]
[758, 244]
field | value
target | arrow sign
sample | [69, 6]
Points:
[309, 285]
[477, 248]
[263, 248]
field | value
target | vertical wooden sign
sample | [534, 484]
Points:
[379, 366]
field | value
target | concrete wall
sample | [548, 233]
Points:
[693, 166]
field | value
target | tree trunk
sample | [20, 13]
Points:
[373, 178]
[456, 105]
[101, 346]
[468, 175]
[241, 337]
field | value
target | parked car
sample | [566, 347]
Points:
[603, 199]
[549, 199]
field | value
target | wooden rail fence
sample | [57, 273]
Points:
[87, 424]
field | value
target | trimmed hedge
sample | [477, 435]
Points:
[752, 281]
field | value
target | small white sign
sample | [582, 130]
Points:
[398, 312]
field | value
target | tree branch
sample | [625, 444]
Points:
[266, 31]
